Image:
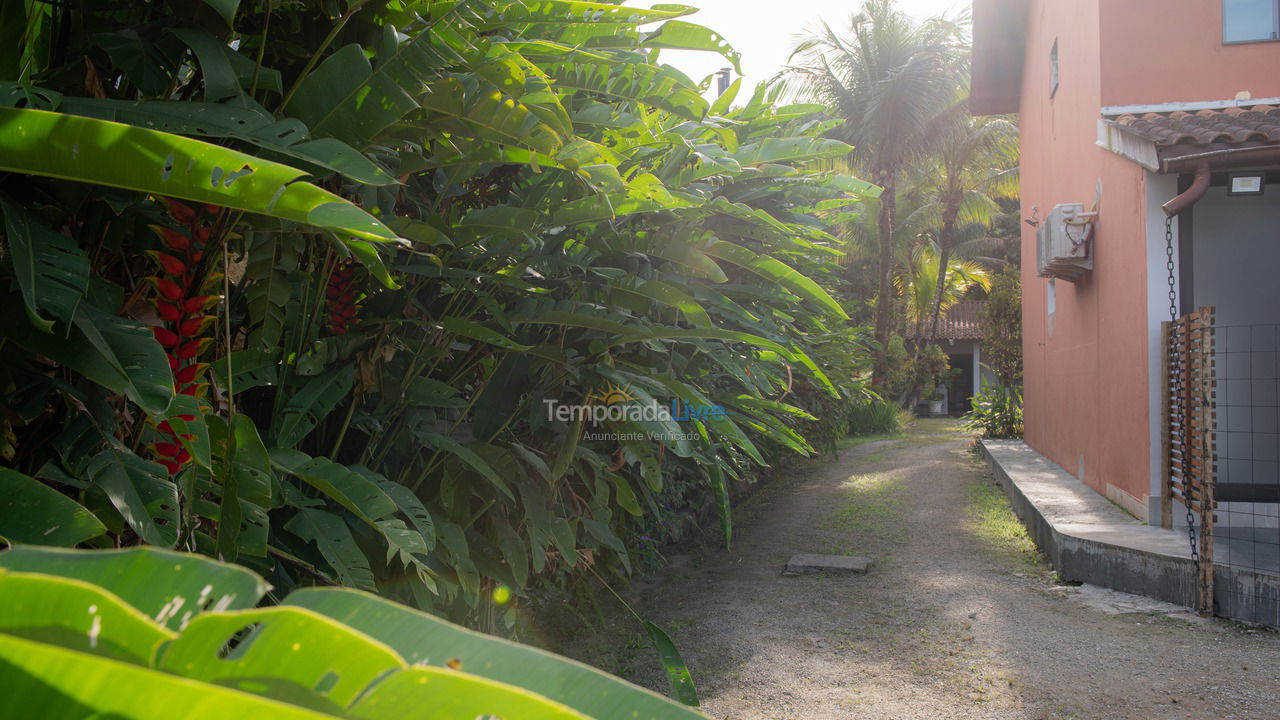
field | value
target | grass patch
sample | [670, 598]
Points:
[993, 520]
[853, 441]
[872, 507]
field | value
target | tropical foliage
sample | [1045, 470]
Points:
[1001, 322]
[950, 180]
[997, 412]
[140, 634]
[300, 280]
[929, 289]
[899, 84]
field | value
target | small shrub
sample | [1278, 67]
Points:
[996, 413]
[875, 417]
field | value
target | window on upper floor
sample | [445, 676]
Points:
[1250, 20]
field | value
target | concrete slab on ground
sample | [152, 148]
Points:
[807, 564]
[1088, 539]
[1114, 602]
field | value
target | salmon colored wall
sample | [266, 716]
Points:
[1086, 381]
[1157, 51]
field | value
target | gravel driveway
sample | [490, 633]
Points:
[953, 620]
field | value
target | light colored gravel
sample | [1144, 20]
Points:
[946, 624]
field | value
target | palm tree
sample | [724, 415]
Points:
[894, 81]
[974, 165]
[927, 290]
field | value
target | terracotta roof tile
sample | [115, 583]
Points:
[961, 321]
[1232, 126]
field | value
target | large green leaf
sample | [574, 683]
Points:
[646, 84]
[32, 512]
[776, 271]
[225, 8]
[191, 584]
[451, 694]
[141, 491]
[129, 351]
[38, 142]
[51, 270]
[489, 114]
[68, 685]
[562, 12]
[333, 538]
[313, 403]
[287, 137]
[644, 193]
[447, 444]
[349, 98]
[681, 35]
[677, 672]
[77, 615]
[114, 352]
[790, 149]
[272, 256]
[349, 489]
[299, 650]
[426, 640]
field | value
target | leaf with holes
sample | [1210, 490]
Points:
[427, 640]
[192, 583]
[77, 615]
[63, 683]
[328, 664]
[94, 151]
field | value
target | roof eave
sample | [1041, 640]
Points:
[999, 43]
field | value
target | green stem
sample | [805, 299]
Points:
[262, 48]
[315, 56]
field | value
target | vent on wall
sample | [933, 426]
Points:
[1064, 243]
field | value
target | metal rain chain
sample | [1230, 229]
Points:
[1173, 317]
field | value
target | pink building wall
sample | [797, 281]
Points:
[1087, 370]
[1085, 381]
[1159, 51]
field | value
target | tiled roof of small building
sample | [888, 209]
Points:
[1233, 125]
[1182, 135]
[961, 321]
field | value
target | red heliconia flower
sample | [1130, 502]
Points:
[165, 336]
[199, 303]
[340, 297]
[168, 311]
[168, 289]
[175, 240]
[181, 302]
[184, 214]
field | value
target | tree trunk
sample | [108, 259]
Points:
[884, 298]
[944, 257]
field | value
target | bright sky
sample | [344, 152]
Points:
[764, 31]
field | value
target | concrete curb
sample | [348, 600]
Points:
[1089, 540]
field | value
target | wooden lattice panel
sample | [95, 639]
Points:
[1189, 423]
[1190, 417]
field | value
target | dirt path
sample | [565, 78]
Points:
[954, 620]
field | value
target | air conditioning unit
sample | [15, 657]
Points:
[1064, 243]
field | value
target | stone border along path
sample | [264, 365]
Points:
[952, 620]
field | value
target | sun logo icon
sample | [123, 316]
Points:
[610, 395]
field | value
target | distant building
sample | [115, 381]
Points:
[960, 337]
